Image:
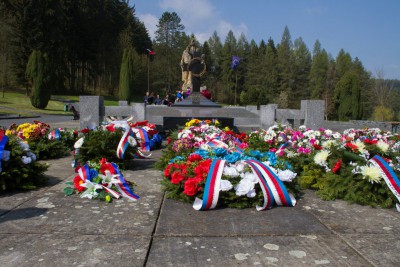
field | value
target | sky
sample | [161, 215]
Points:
[367, 29]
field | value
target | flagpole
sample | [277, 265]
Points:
[148, 73]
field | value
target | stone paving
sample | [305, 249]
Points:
[46, 228]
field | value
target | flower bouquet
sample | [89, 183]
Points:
[205, 161]
[101, 181]
[19, 169]
[44, 142]
[359, 166]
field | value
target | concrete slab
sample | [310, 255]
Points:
[180, 219]
[72, 249]
[308, 250]
[344, 218]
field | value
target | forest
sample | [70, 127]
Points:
[100, 47]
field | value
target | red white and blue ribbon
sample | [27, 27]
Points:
[3, 142]
[285, 142]
[123, 186]
[84, 172]
[123, 143]
[145, 143]
[215, 143]
[389, 176]
[273, 188]
[212, 187]
[55, 134]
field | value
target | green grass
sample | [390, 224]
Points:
[19, 103]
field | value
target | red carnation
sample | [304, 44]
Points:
[177, 177]
[190, 187]
[111, 128]
[77, 183]
[337, 166]
[195, 157]
[86, 130]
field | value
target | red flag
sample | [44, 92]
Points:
[150, 52]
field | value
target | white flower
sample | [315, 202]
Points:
[337, 135]
[90, 192]
[250, 176]
[240, 166]
[321, 157]
[79, 143]
[230, 171]
[328, 144]
[31, 155]
[24, 146]
[6, 155]
[244, 187]
[109, 178]
[251, 193]
[372, 173]
[26, 160]
[328, 132]
[360, 145]
[383, 146]
[225, 185]
[132, 141]
[286, 175]
[302, 128]
[204, 146]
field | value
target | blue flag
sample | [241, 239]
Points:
[235, 62]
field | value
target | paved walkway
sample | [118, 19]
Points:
[46, 228]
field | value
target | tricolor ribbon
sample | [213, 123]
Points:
[145, 143]
[123, 143]
[123, 186]
[285, 143]
[211, 189]
[3, 142]
[389, 176]
[273, 188]
[84, 172]
[55, 134]
[215, 143]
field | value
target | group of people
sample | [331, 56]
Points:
[170, 99]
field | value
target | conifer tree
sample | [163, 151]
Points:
[126, 81]
[39, 71]
[318, 71]
[285, 65]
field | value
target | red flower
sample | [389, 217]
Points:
[177, 177]
[77, 183]
[110, 128]
[106, 166]
[86, 130]
[317, 147]
[337, 166]
[195, 157]
[190, 187]
[169, 139]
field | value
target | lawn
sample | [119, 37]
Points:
[19, 103]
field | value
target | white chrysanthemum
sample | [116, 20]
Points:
[250, 176]
[225, 185]
[321, 157]
[351, 135]
[372, 173]
[360, 145]
[79, 143]
[382, 145]
[302, 127]
[204, 146]
[184, 134]
[328, 144]
[317, 133]
[337, 135]
[328, 132]
[286, 175]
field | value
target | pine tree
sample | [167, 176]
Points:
[301, 72]
[348, 96]
[39, 72]
[285, 65]
[318, 72]
[126, 81]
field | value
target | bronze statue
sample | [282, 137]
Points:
[193, 67]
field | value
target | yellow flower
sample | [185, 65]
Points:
[372, 173]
